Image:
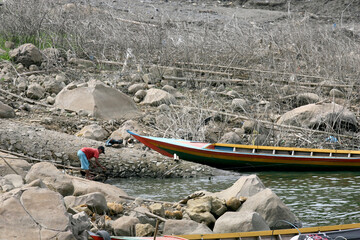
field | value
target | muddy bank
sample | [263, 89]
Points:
[130, 161]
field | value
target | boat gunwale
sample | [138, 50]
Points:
[271, 232]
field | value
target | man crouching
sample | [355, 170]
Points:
[85, 154]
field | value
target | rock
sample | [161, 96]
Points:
[115, 208]
[181, 227]
[51, 85]
[148, 78]
[173, 214]
[92, 131]
[156, 97]
[35, 91]
[111, 193]
[169, 89]
[271, 209]
[240, 222]
[320, 116]
[52, 178]
[199, 210]
[33, 68]
[245, 186]
[218, 206]
[5, 185]
[50, 100]
[122, 133]
[2, 52]
[96, 202]
[34, 212]
[137, 87]
[307, 98]
[9, 44]
[98, 99]
[26, 54]
[157, 209]
[140, 94]
[144, 230]
[124, 226]
[239, 104]
[16, 180]
[6, 111]
[20, 166]
[230, 137]
[164, 108]
[80, 222]
[233, 203]
[140, 213]
[169, 71]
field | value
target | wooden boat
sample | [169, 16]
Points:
[345, 231]
[102, 235]
[254, 158]
[341, 232]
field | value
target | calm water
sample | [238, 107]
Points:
[316, 198]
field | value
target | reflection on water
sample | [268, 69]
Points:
[316, 198]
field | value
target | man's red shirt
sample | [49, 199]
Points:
[91, 152]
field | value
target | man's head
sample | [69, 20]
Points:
[101, 149]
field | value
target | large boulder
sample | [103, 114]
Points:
[240, 222]
[271, 209]
[122, 133]
[20, 166]
[6, 111]
[35, 91]
[52, 178]
[245, 186]
[96, 202]
[26, 54]
[124, 226]
[34, 213]
[93, 131]
[320, 116]
[156, 97]
[84, 186]
[182, 227]
[199, 210]
[98, 99]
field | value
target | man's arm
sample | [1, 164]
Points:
[97, 162]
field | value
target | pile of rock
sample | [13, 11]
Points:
[52, 204]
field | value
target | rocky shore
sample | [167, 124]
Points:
[51, 204]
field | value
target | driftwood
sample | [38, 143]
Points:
[146, 200]
[24, 99]
[184, 79]
[253, 70]
[151, 215]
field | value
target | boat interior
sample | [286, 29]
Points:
[285, 150]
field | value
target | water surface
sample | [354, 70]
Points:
[325, 198]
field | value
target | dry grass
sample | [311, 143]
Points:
[270, 52]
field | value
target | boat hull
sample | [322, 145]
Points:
[219, 156]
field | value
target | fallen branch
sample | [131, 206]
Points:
[24, 99]
[146, 200]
